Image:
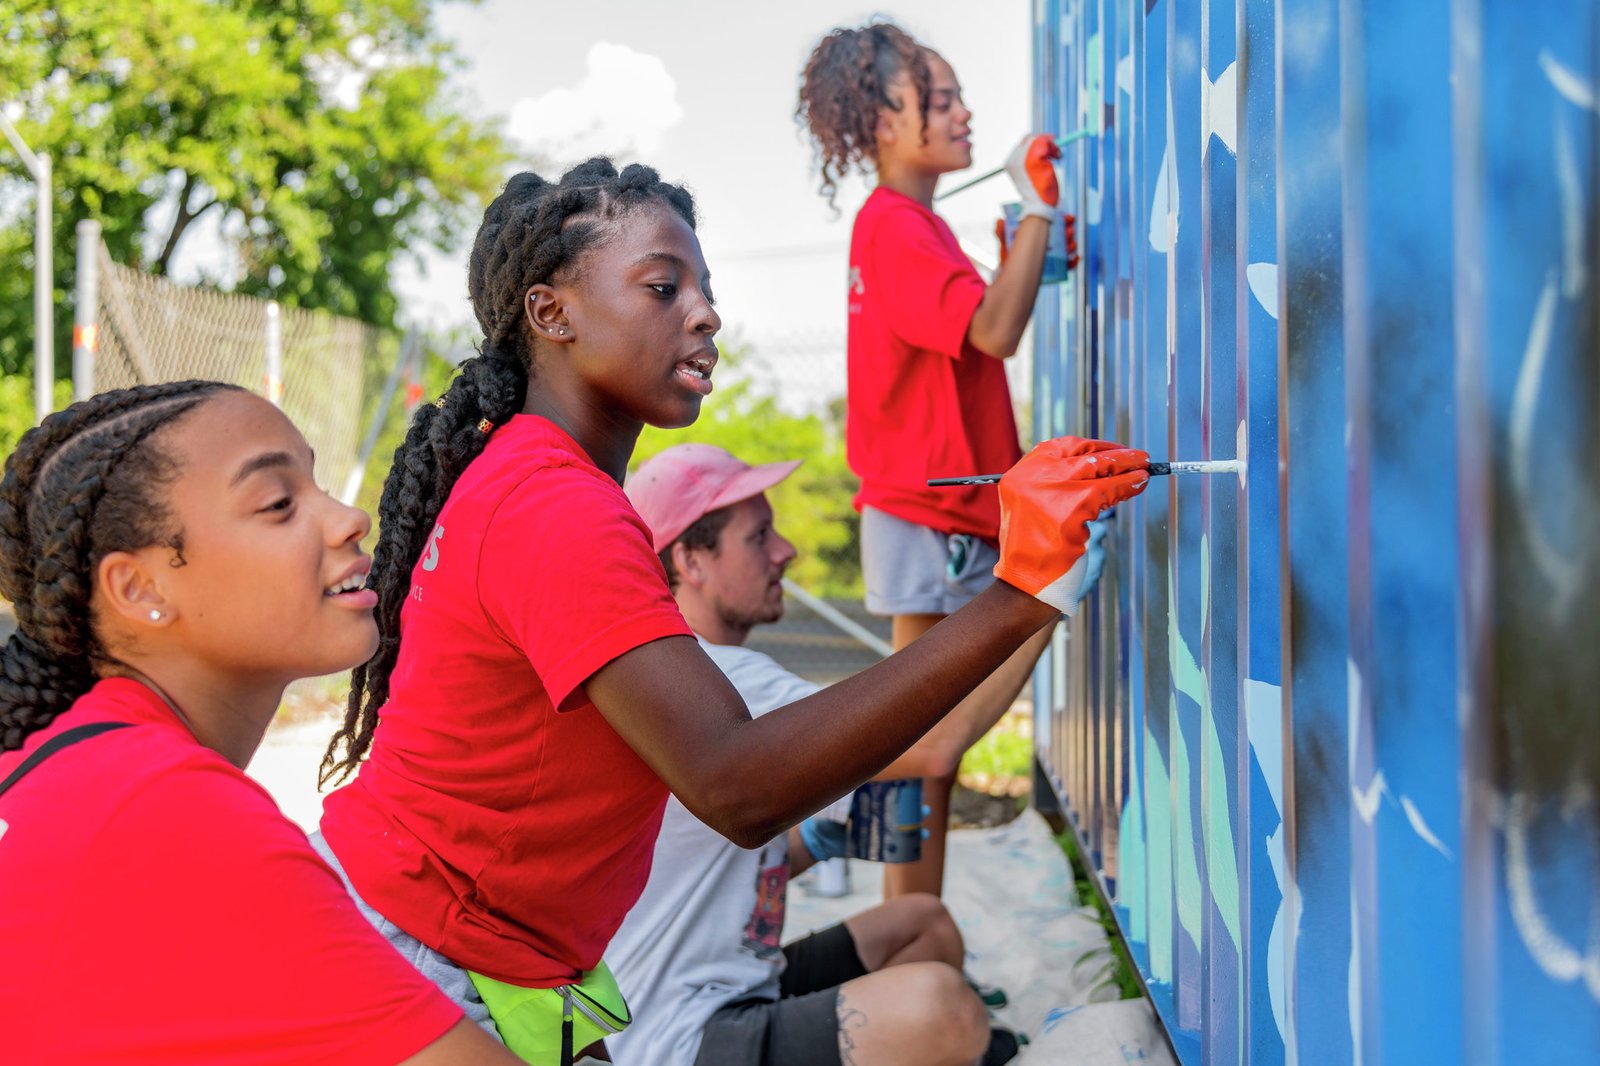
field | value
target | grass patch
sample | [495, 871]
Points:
[1001, 764]
[1122, 973]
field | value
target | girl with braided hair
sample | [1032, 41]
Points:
[173, 566]
[536, 692]
[927, 393]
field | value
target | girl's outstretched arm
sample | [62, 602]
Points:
[751, 779]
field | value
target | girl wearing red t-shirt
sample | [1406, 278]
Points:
[173, 566]
[927, 393]
[536, 693]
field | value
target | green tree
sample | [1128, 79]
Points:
[321, 132]
[812, 506]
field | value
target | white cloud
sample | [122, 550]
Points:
[624, 105]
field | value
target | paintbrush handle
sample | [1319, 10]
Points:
[986, 175]
[1206, 466]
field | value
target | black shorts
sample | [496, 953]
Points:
[800, 1029]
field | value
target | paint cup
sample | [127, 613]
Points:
[886, 821]
[1055, 252]
[832, 878]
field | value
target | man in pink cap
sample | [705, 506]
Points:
[700, 957]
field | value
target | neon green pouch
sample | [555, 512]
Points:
[546, 1026]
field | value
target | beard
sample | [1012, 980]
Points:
[747, 617]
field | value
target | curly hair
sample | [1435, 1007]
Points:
[86, 482]
[535, 231]
[845, 85]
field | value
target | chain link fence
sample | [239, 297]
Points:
[331, 375]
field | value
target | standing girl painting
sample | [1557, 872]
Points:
[926, 348]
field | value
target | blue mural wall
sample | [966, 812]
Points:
[1330, 730]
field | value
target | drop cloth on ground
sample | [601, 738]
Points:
[1011, 892]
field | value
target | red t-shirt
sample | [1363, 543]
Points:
[508, 835]
[155, 906]
[923, 402]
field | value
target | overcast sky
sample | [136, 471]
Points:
[705, 92]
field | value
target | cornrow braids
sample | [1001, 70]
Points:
[535, 231]
[86, 482]
[845, 85]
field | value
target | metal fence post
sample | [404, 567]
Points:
[44, 323]
[410, 349]
[86, 316]
[273, 385]
[44, 334]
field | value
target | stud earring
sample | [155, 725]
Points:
[561, 333]
[155, 615]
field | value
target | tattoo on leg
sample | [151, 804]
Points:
[850, 1020]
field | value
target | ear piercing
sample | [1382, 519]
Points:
[155, 615]
[561, 333]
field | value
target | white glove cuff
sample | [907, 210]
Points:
[1040, 209]
[1066, 591]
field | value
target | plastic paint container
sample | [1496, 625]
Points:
[886, 821]
[1055, 252]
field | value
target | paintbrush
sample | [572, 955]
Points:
[1200, 466]
[986, 175]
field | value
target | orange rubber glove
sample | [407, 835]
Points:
[1032, 171]
[1046, 503]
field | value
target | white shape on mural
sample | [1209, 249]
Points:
[1560, 572]
[1420, 826]
[1571, 194]
[1263, 708]
[1159, 221]
[1263, 280]
[1559, 960]
[1568, 82]
[1164, 203]
[1369, 798]
[1125, 75]
[1241, 452]
[1219, 109]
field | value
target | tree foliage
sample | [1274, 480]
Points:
[321, 133]
[812, 507]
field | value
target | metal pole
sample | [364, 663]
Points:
[86, 320]
[840, 620]
[274, 380]
[44, 283]
[380, 414]
[44, 352]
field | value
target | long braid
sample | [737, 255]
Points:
[86, 482]
[845, 85]
[535, 231]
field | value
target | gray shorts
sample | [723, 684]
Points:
[911, 569]
[453, 980]
[801, 1028]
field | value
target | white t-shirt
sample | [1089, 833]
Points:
[708, 929]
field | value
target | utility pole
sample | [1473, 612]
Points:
[44, 352]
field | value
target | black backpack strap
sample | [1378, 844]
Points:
[65, 738]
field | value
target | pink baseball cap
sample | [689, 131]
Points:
[676, 488]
